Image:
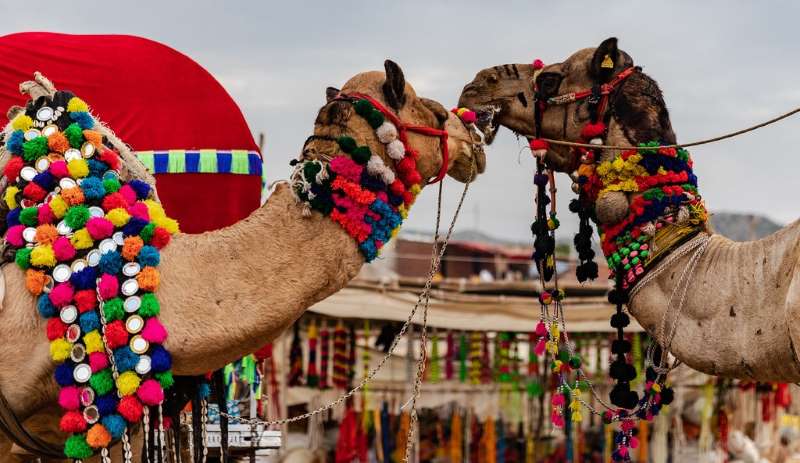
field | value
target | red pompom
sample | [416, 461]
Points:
[397, 188]
[130, 408]
[592, 130]
[539, 144]
[111, 158]
[408, 198]
[537, 64]
[412, 178]
[13, 167]
[72, 422]
[113, 201]
[160, 237]
[55, 328]
[34, 192]
[86, 300]
[406, 165]
[116, 335]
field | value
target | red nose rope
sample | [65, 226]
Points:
[403, 129]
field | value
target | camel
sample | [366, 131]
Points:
[226, 293]
[740, 317]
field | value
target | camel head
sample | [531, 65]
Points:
[339, 117]
[503, 96]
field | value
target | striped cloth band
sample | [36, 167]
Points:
[206, 161]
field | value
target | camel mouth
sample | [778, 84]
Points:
[486, 123]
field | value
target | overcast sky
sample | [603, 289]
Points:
[722, 66]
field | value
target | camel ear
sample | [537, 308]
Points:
[437, 109]
[394, 88]
[605, 60]
[14, 111]
[331, 93]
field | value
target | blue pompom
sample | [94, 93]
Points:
[89, 321]
[106, 404]
[84, 279]
[160, 360]
[125, 359]
[63, 374]
[97, 168]
[12, 218]
[45, 180]
[141, 188]
[203, 390]
[115, 425]
[84, 119]
[149, 256]
[134, 226]
[46, 308]
[110, 262]
[93, 188]
[15, 141]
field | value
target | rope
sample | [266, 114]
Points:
[679, 145]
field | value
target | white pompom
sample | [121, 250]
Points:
[683, 214]
[387, 132]
[378, 168]
[396, 150]
[649, 229]
[388, 176]
[596, 141]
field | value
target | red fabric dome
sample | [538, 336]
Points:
[155, 99]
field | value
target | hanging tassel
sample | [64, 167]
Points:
[504, 357]
[489, 441]
[450, 356]
[325, 340]
[475, 361]
[386, 442]
[312, 377]
[340, 356]
[296, 359]
[501, 446]
[486, 364]
[401, 440]
[346, 442]
[644, 441]
[462, 358]
[434, 370]
[456, 437]
[351, 357]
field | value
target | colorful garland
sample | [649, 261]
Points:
[360, 192]
[89, 245]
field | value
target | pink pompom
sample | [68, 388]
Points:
[139, 210]
[558, 400]
[59, 169]
[154, 331]
[61, 295]
[99, 227]
[108, 286]
[69, 398]
[539, 349]
[541, 329]
[623, 451]
[98, 361]
[46, 214]
[14, 235]
[469, 117]
[63, 249]
[592, 130]
[537, 64]
[150, 392]
[634, 443]
[128, 193]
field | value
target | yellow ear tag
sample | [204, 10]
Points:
[607, 63]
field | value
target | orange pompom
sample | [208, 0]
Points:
[94, 137]
[131, 247]
[46, 234]
[58, 142]
[98, 436]
[73, 196]
[148, 279]
[35, 281]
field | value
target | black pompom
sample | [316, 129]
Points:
[667, 396]
[650, 374]
[619, 394]
[617, 370]
[620, 320]
[617, 297]
[574, 206]
[620, 346]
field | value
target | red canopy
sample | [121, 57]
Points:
[155, 99]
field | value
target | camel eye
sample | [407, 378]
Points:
[547, 83]
[492, 79]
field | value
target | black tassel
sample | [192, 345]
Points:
[219, 391]
[197, 428]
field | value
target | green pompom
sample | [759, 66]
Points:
[563, 355]
[147, 232]
[583, 385]
[347, 144]
[111, 185]
[375, 119]
[322, 204]
[29, 216]
[23, 258]
[361, 154]
[113, 309]
[74, 134]
[363, 108]
[535, 389]
[32, 149]
[150, 306]
[575, 362]
[102, 382]
[310, 171]
[76, 447]
[77, 216]
[166, 379]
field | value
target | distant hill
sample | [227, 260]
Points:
[743, 227]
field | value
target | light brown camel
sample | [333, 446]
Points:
[740, 318]
[226, 293]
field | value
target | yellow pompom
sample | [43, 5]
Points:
[22, 122]
[155, 210]
[11, 197]
[395, 231]
[128, 383]
[60, 349]
[415, 189]
[78, 168]
[77, 105]
[58, 206]
[118, 216]
[170, 225]
[81, 239]
[93, 342]
[43, 256]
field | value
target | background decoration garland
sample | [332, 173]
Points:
[89, 245]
